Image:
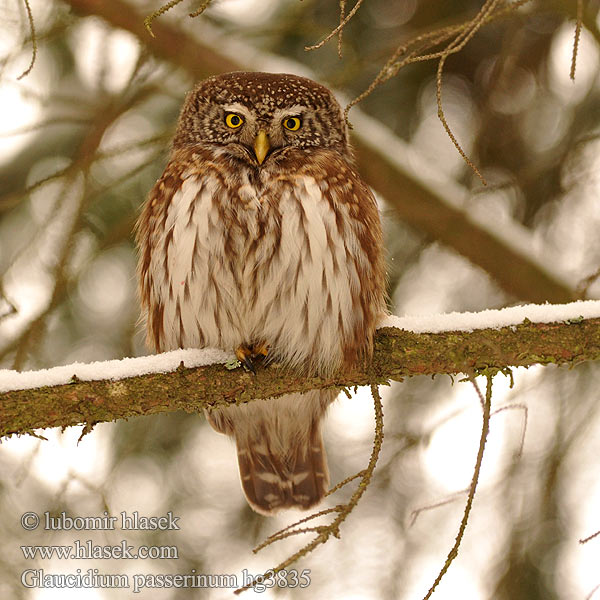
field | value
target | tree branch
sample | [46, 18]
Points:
[398, 354]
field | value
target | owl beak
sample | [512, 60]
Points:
[261, 146]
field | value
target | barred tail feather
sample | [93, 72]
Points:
[297, 479]
[280, 450]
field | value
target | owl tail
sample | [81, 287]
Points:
[280, 450]
[295, 478]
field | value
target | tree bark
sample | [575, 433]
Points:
[398, 354]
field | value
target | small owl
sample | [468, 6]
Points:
[261, 238]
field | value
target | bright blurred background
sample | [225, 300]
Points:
[83, 138]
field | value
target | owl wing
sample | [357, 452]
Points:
[149, 231]
[355, 244]
[187, 290]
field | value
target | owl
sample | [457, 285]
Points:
[261, 238]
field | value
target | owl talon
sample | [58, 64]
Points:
[248, 364]
[243, 354]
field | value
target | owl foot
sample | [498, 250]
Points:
[260, 350]
[245, 354]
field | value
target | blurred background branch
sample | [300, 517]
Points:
[418, 204]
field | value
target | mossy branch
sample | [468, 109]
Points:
[398, 354]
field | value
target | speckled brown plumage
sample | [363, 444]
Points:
[258, 234]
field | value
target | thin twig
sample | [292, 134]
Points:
[33, 41]
[167, 7]
[275, 535]
[199, 11]
[157, 13]
[110, 153]
[342, 483]
[282, 535]
[525, 410]
[485, 427]
[421, 43]
[338, 29]
[415, 47]
[578, 24]
[589, 537]
[12, 309]
[589, 596]
[326, 531]
[584, 285]
[341, 31]
[454, 47]
[414, 515]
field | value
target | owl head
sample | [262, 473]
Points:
[257, 117]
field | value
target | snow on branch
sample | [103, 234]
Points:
[496, 318]
[192, 379]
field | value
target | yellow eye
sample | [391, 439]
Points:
[233, 120]
[292, 123]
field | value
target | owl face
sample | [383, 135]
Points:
[257, 117]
